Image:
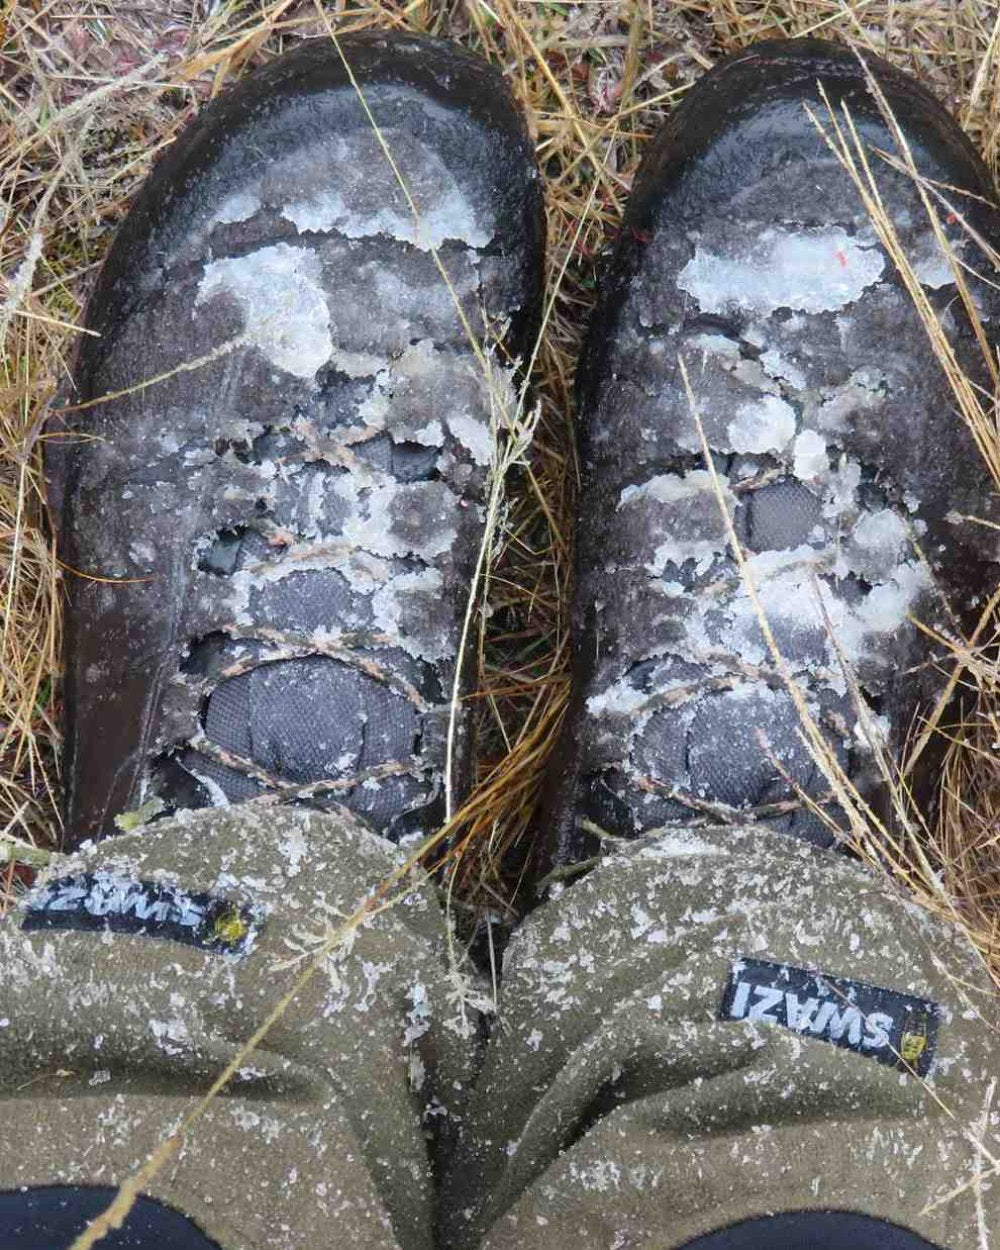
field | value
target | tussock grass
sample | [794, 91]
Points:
[91, 94]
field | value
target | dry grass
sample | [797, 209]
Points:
[92, 92]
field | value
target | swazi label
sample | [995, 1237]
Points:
[105, 901]
[896, 1029]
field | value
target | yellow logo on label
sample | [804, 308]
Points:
[912, 1046]
[230, 927]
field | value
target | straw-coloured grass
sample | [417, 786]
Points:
[89, 102]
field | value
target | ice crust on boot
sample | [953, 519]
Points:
[289, 520]
[841, 462]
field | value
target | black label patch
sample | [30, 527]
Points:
[891, 1028]
[105, 901]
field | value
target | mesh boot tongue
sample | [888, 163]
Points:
[304, 722]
